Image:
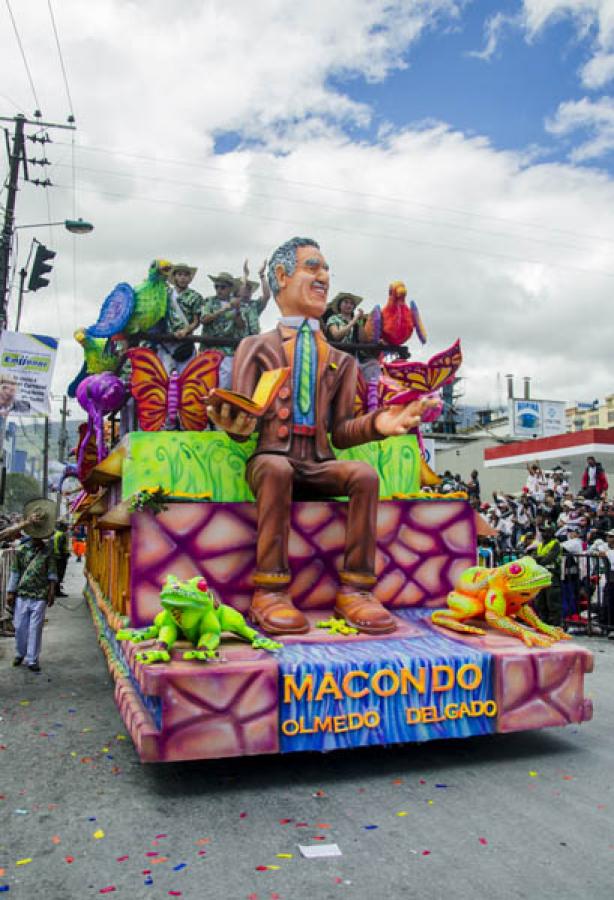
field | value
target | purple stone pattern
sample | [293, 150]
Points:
[535, 687]
[422, 548]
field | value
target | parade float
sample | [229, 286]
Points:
[175, 577]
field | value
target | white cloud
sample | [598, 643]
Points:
[494, 28]
[595, 117]
[495, 248]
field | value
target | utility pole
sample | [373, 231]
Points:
[62, 442]
[17, 159]
[45, 477]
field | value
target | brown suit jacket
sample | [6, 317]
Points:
[335, 393]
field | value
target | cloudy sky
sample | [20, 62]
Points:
[464, 146]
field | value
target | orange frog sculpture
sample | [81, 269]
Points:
[500, 596]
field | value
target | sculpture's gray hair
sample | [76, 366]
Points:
[286, 256]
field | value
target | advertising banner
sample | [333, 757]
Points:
[536, 418]
[26, 369]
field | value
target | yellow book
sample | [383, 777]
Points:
[266, 391]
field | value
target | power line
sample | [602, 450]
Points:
[63, 67]
[320, 205]
[335, 189]
[353, 232]
[23, 55]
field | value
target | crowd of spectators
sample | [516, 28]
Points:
[570, 532]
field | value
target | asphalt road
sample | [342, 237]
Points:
[516, 816]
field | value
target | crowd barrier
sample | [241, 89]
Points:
[587, 587]
[587, 592]
[6, 561]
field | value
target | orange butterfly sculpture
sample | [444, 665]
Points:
[163, 400]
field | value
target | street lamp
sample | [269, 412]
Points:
[75, 226]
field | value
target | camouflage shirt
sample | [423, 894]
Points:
[32, 570]
[251, 310]
[223, 326]
[191, 305]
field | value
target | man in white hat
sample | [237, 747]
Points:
[31, 586]
[184, 309]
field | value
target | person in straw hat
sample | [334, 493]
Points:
[253, 307]
[31, 586]
[222, 318]
[183, 313]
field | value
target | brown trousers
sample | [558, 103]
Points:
[274, 477]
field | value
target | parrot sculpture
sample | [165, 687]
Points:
[98, 358]
[150, 299]
[129, 310]
[397, 320]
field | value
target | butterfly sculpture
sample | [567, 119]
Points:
[405, 380]
[163, 400]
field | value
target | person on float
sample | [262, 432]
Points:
[343, 326]
[183, 313]
[222, 318]
[293, 454]
[252, 307]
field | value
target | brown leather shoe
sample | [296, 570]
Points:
[275, 613]
[363, 611]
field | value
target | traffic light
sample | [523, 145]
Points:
[40, 268]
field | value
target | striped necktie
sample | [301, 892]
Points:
[304, 385]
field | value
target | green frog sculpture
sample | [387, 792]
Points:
[191, 612]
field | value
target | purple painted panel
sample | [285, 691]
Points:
[422, 547]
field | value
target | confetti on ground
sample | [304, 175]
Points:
[533, 774]
[322, 825]
[285, 821]
[69, 859]
[148, 881]
[107, 890]
[243, 815]
[322, 851]
[56, 839]
[24, 862]
[179, 867]
[397, 781]
[158, 860]
[98, 834]
[370, 827]
[261, 868]
[122, 858]
[441, 785]
[426, 853]
[319, 794]
[4, 888]
[402, 813]
[483, 842]
[21, 812]
[174, 893]
[285, 855]
[160, 836]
